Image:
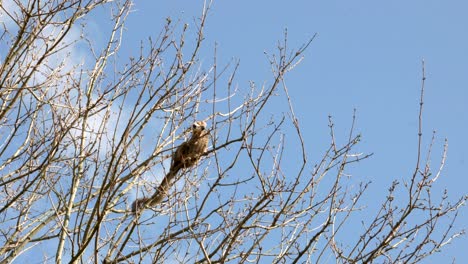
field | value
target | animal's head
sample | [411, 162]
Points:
[198, 127]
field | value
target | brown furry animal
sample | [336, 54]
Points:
[186, 155]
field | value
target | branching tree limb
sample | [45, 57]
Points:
[84, 136]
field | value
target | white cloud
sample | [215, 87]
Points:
[8, 9]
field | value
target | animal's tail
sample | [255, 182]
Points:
[161, 192]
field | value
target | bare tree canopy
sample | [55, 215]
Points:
[82, 136]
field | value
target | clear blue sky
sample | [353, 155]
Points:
[367, 56]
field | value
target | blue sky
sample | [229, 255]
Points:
[367, 56]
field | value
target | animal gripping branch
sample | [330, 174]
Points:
[187, 155]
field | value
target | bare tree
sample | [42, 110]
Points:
[83, 137]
